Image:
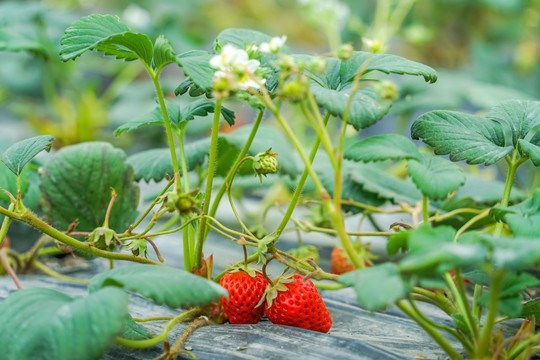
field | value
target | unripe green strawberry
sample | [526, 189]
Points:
[265, 163]
[295, 302]
[305, 252]
[245, 293]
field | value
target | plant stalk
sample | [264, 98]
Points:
[439, 339]
[209, 181]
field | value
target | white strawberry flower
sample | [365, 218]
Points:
[275, 44]
[234, 64]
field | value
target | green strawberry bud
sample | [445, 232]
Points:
[294, 90]
[386, 90]
[345, 52]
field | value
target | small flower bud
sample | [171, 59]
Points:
[317, 65]
[386, 89]
[345, 52]
[374, 46]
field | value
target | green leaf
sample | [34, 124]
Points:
[511, 253]
[134, 331]
[520, 116]
[163, 53]
[128, 46]
[510, 301]
[8, 182]
[366, 109]
[20, 153]
[424, 237]
[156, 164]
[485, 191]
[531, 308]
[435, 176]
[107, 34]
[377, 286]
[382, 147]
[396, 242]
[178, 114]
[386, 63]
[196, 66]
[47, 324]
[164, 285]
[463, 136]
[14, 41]
[374, 179]
[530, 150]
[353, 182]
[434, 252]
[77, 184]
[524, 218]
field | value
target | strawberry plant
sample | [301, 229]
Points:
[451, 228]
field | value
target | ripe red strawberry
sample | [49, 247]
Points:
[245, 292]
[340, 262]
[297, 303]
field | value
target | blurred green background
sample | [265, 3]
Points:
[485, 50]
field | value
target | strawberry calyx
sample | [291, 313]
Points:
[241, 268]
[273, 288]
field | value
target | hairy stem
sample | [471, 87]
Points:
[239, 158]
[27, 217]
[166, 120]
[439, 339]
[141, 344]
[485, 335]
[209, 182]
[300, 185]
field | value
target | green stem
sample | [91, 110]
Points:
[462, 304]
[466, 343]
[5, 225]
[27, 217]
[239, 158]
[166, 120]
[183, 160]
[477, 308]
[439, 339]
[187, 253]
[485, 335]
[209, 181]
[143, 216]
[44, 268]
[300, 186]
[141, 344]
[322, 134]
[425, 211]
[510, 175]
[524, 345]
[470, 223]
[327, 286]
[229, 185]
[335, 215]
[437, 299]
[464, 300]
